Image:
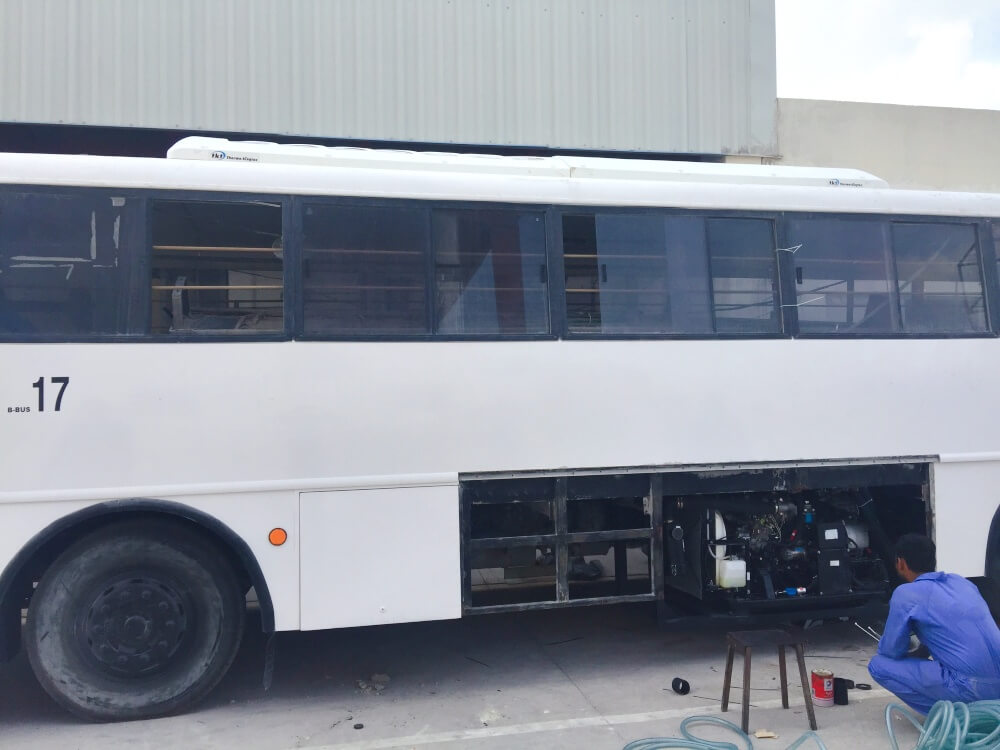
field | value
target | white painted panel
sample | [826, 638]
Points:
[143, 414]
[966, 497]
[684, 76]
[379, 556]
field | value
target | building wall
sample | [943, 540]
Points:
[681, 76]
[933, 148]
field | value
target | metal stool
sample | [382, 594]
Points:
[751, 639]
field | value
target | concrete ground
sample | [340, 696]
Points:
[586, 678]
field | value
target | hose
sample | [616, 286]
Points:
[951, 726]
[690, 742]
[948, 726]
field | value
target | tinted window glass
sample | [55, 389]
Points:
[744, 275]
[490, 273]
[365, 269]
[643, 273]
[217, 267]
[62, 265]
[689, 289]
[996, 243]
[843, 275]
[940, 285]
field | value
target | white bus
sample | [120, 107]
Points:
[382, 387]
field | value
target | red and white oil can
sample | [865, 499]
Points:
[822, 687]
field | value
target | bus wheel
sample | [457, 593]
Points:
[134, 621]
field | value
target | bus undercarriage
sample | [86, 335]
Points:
[753, 543]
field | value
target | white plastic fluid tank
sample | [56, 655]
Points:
[731, 574]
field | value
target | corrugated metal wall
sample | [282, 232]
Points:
[685, 76]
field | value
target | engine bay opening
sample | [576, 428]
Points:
[740, 541]
[763, 551]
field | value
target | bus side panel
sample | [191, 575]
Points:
[250, 516]
[966, 495]
[380, 556]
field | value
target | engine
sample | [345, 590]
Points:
[774, 548]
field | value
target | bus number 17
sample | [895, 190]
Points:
[40, 385]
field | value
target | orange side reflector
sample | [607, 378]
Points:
[277, 537]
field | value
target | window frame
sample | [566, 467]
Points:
[771, 216]
[517, 213]
[779, 305]
[429, 206]
[991, 288]
[989, 256]
[289, 256]
[299, 204]
[132, 268]
[138, 268]
[892, 277]
[977, 243]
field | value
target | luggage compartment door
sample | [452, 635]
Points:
[377, 556]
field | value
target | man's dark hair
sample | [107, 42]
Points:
[918, 552]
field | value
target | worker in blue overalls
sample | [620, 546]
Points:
[951, 619]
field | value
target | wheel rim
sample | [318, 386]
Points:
[134, 626]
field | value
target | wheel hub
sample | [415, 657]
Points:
[134, 626]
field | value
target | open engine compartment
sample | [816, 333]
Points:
[743, 541]
[768, 551]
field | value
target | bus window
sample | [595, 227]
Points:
[61, 269]
[843, 276]
[364, 269]
[490, 272]
[744, 275]
[996, 243]
[636, 273]
[216, 267]
[940, 284]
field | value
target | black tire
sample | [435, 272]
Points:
[134, 621]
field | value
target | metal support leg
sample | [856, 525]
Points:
[729, 678]
[464, 522]
[784, 676]
[621, 567]
[800, 656]
[562, 546]
[746, 690]
[656, 545]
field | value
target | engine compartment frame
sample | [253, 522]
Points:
[542, 540]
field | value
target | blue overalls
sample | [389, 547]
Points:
[948, 615]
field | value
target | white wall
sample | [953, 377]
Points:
[681, 76]
[932, 148]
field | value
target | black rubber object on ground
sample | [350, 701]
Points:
[839, 691]
[681, 687]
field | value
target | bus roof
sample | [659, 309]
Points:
[576, 167]
[559, 180]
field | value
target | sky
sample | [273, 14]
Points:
[941, 53]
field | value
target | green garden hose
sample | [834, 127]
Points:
[690, 742]
[948, 726]
[952, 726]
